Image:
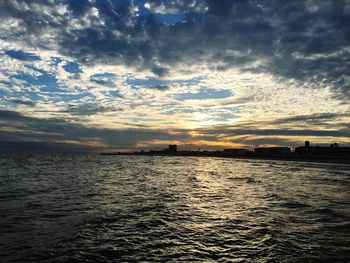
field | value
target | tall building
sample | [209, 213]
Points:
[172, 148]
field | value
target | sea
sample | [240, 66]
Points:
[96, 208]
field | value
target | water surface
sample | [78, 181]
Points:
[91, 208]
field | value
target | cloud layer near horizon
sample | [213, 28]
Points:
[189, 72]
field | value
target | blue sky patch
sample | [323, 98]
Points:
[2, 92]
[72, 67]
[46, 80]
[6, 83]
[55, 61]
[21, 55]
[149, 82]
[30, 95]
[169, 19]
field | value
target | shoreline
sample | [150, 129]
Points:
[272, 158]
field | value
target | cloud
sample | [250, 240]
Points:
[91, 109]
[158, 87]
[105, 79]
[23, 102]
[305, 40]
[278, 132]
[205, 94]
[18, 128]
[313, 118]
[103, 63]
[176, 6]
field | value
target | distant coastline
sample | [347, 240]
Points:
[291, 159]
[307, 153]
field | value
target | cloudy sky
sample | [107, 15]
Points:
[209, 74]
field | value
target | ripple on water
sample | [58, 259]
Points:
[91, 208]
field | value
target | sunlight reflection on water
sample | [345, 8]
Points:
[91, 208]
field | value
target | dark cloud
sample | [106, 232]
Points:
[313, 118]
[158, 87]
[305, 40]
[23, 102]
[271, 141]
[15, 127]
[91, 109]
[10, 115]
[105, 79]
[234, 131]
[159, 71]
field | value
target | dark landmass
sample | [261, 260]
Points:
[307, 153]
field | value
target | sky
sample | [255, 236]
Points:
[117, 75]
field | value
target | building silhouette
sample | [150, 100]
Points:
[172, 148]
[272, 151]
[332, 150]
[236, 151]
[306, 152]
